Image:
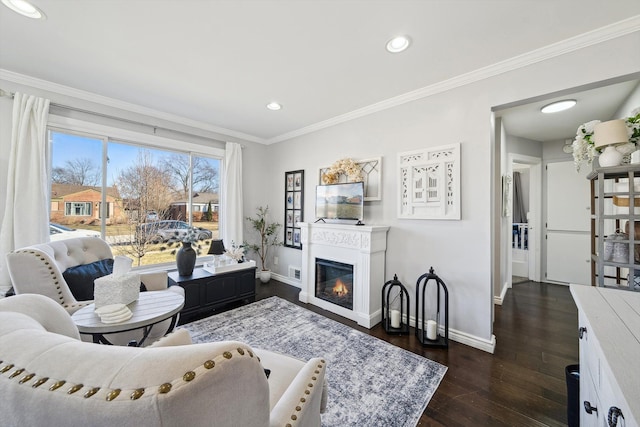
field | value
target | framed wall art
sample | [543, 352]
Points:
[371, 170]
[430, 183]
[293, 207]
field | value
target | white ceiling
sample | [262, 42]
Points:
[220, 62]
[601, 103]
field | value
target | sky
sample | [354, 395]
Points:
[68, 147]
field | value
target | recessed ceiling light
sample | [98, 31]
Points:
[24, 8]
[555, 107]
[398, 44]
[274, 106]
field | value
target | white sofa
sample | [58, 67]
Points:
[48, 377]
[39, 269]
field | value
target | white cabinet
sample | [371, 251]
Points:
[609, 330]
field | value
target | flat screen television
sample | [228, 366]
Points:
[340, 201]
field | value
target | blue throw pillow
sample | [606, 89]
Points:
[80, 278]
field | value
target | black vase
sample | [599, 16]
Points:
[186, 259]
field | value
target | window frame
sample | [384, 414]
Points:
[109, 133]
[71, 207]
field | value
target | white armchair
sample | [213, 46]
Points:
[49, 377]
[39, 269]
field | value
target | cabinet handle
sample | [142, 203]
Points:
[612, 418]
[581, 331]
[590, 409]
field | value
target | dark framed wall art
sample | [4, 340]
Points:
[293, 207]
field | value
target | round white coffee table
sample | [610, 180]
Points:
[150, 309]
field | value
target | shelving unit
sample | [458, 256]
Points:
[608, 217]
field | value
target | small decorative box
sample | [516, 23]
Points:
[116, 290]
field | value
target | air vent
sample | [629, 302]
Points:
[294, 273]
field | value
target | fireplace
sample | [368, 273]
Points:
[343, 269]
[334, 282]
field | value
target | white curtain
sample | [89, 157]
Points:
[232, 207]
[26, 208]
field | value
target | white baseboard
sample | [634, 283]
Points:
[286, 279]
[464, 338]
[454, 335]
[481, 344]
[497, 300]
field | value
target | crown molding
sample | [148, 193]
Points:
[594, 37]
[122, 105]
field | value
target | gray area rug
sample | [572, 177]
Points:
[371, 382]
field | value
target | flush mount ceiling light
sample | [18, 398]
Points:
[558, 106]
[398, 44]
[24, 8]
[274, 106]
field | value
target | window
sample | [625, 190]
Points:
[107, 211]
[140, 196]
[77, 208]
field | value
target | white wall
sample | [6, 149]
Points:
[632, 102]
[527, 147]
[460, 251]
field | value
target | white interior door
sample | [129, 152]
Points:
[568, 197]
[568, 226]
[568, 258]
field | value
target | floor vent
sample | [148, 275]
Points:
[294, 273]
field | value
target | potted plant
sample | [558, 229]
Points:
[269, 237]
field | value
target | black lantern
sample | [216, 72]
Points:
[428, 326]
[394, 308]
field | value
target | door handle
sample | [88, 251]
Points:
[590, 409]
[612, 417]
[581, 331]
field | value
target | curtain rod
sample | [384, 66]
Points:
[7, 94]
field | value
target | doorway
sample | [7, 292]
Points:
[523, 122]
[525, 243]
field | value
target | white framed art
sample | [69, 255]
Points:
[429, 181]
[371, 175]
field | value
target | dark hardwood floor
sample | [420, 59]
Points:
[522, 384]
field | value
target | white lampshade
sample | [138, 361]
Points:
[613, 132]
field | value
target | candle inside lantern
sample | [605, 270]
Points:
[395, 318]
[432, 330]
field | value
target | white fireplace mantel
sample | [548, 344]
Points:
[362, 246]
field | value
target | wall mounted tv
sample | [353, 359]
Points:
[340, 201]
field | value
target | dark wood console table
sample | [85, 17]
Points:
[205, 292]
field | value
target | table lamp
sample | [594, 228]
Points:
[609, 135]
[613, 132]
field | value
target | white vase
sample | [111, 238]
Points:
[610, 157]
[265, 276]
